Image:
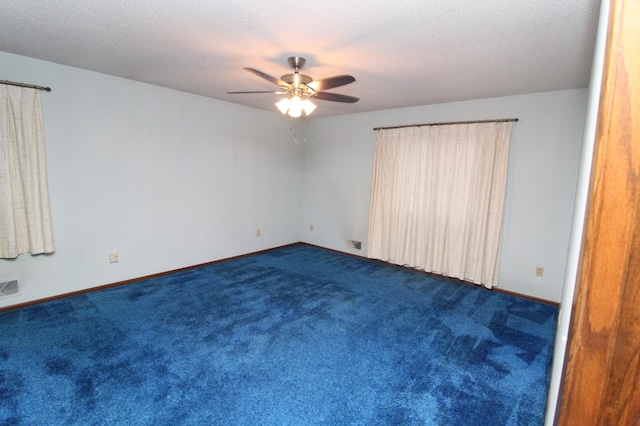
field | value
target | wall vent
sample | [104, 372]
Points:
[9, 287]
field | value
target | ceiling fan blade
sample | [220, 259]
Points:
[267, 77]
[336, 97]
[331, 82]
[280, 92]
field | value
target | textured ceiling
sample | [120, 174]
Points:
[404, 53]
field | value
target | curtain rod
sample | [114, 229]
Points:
[30, 86]
[501, 120]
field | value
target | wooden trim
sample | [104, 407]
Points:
[496, 289]
[161, 274]
[601, 384]
[524, 296]
[134, 280]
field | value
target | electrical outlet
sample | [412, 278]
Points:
[539, 271]
[310, 227]
[257, 233]
[114, 256]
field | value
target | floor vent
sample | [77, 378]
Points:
[9, 287]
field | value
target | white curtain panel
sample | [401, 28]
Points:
[437, 198]
[25, 218]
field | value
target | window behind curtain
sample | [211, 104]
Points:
[437, 198]
[25, 218]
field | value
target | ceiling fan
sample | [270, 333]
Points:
[301, 87]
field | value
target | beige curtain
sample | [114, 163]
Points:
[25, 218]
[437, 198]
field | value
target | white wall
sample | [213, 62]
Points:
[543, 171]
[169, 179]
[172, 179]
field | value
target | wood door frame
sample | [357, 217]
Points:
[601, 382]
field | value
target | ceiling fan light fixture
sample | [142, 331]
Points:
[308, 106]
[283, 105]
[295, 113]
[295, 105]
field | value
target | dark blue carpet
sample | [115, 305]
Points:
[295, 336]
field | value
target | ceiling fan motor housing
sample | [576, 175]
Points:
[296, 79]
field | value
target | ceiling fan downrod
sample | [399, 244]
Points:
[297, 80]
